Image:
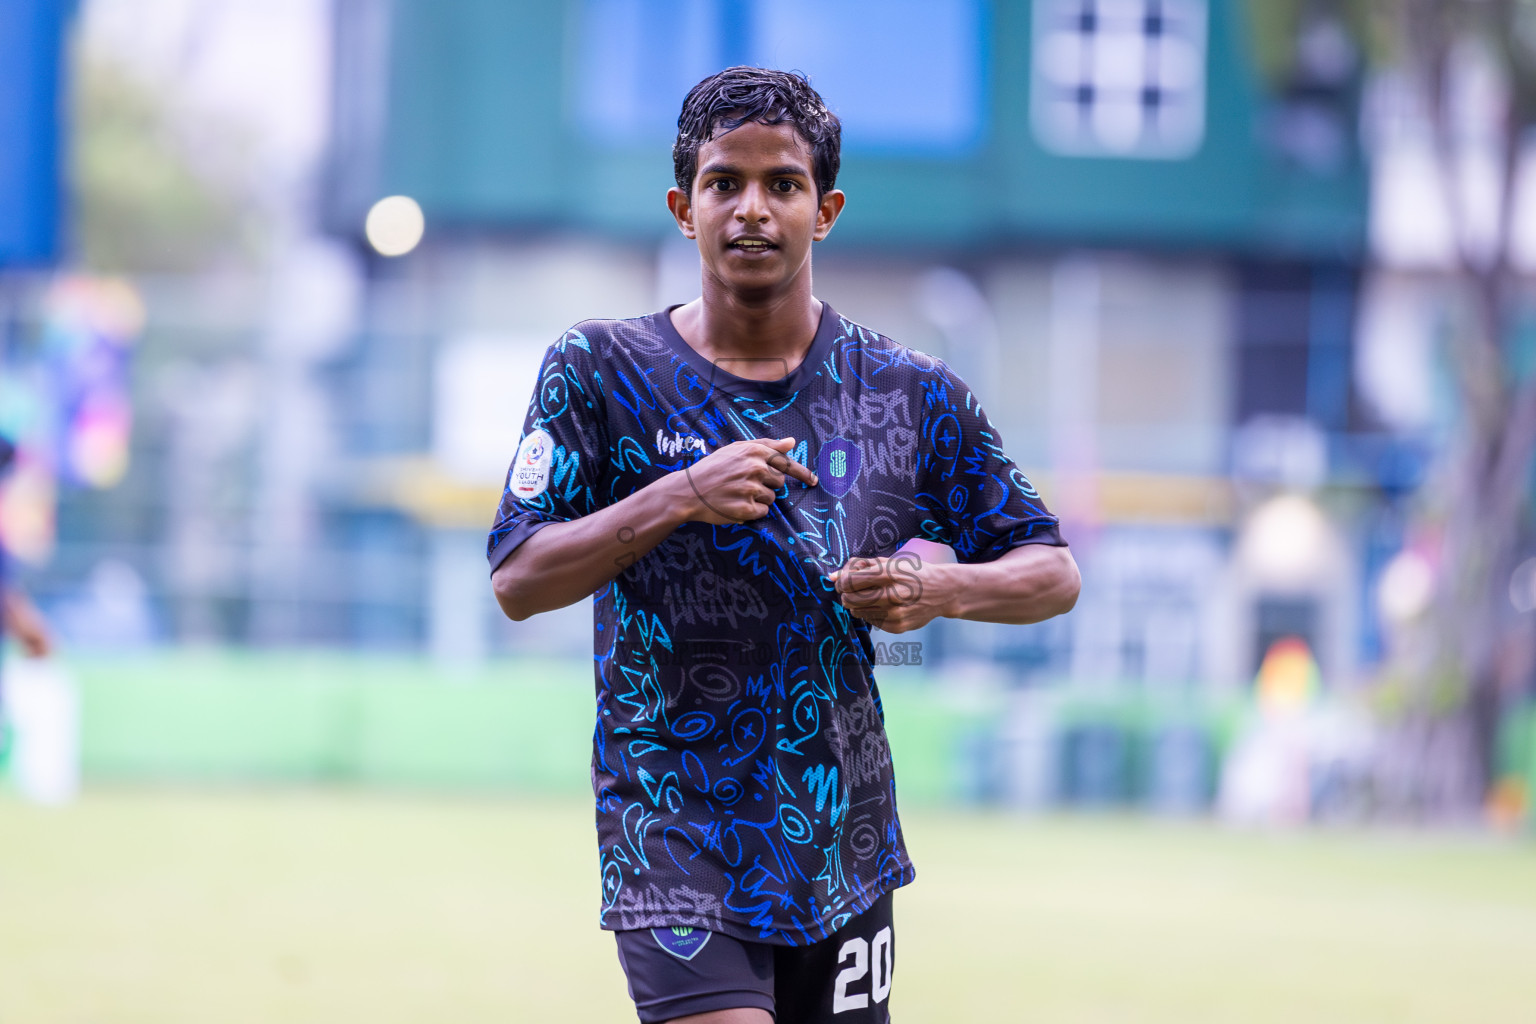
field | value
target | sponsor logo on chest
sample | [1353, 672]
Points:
[677, 444]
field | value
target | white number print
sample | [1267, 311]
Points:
[877, 954]
[883, 959]
[841, 1000]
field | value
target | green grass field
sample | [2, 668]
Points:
[227, 907]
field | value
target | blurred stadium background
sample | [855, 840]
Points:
[1247, 285]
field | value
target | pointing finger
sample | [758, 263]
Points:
[784, 464]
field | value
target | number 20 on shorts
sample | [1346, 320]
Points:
[876, 953]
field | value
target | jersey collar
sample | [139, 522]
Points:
[826, 331]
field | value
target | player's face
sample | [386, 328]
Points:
[754, 210]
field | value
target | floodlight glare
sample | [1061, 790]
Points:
[1287, 539]
[395, 225]
[1407, 587]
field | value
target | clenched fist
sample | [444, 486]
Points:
[736, 483]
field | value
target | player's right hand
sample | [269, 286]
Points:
[736, 483]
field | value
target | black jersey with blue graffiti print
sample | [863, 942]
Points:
[740, 764]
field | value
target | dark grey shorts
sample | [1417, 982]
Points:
[674, 972]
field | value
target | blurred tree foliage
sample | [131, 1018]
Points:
[142, 201]
[1484, 504]
[1276, 28]
[1414, 36]
[1434, 49]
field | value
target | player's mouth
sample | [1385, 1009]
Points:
[752, 246]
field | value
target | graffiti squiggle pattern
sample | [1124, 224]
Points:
[740, 766]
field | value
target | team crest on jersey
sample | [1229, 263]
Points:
[683, 943]
[837, 466]
[530, 467]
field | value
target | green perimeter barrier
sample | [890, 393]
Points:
[256, 717]
[1135, 717]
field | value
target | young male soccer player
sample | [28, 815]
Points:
[731, 477]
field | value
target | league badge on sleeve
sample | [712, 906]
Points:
[530, 468]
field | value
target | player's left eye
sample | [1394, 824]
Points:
[785, 185]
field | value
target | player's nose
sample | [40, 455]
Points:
[752, 206]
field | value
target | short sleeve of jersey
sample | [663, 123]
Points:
[556, 471]
[971, 495]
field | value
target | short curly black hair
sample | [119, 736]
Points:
[729, 99]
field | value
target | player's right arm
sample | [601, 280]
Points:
[564, 562]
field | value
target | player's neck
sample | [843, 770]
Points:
[776, 331]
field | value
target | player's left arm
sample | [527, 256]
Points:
[1012, 565]
[1029, 583]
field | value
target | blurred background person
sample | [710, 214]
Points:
[19, 617]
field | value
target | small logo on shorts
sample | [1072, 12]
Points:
[683, 943]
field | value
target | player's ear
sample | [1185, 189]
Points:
[827, 213]
[681, 205]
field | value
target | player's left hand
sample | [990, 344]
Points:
[897, 594]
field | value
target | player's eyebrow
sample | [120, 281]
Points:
[783, 171]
